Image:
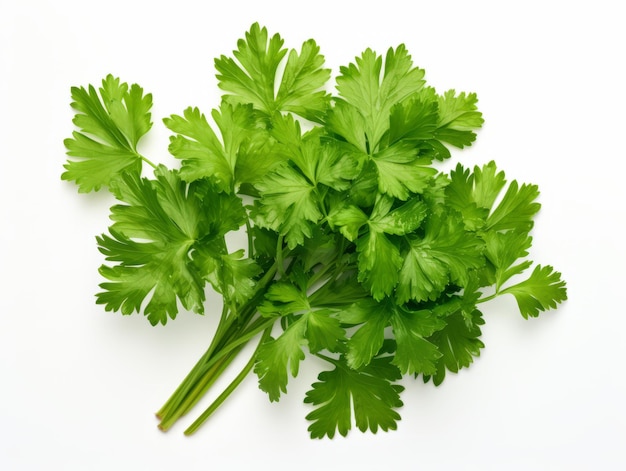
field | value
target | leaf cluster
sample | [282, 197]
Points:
[360, 251]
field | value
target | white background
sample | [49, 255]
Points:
[79, 386]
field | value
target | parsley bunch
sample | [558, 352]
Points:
[360, 251]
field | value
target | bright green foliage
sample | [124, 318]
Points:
[151, 238]
[368, 391]
[372, 318]
[414, 353]
[111, 120]
[290, 195]
[458, 343]
[458, 118]
[279, 356]
[163, 238]
[503, 249]
[231, 274]
[316, 329]
[373, 90]
[324, 331]
[543, 290]
[289, 204]
[201, 152]
[446, 253]
[253, 79]
[360, 252]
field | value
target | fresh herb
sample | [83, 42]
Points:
[359, 250]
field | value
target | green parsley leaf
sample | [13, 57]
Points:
[503, 249]
[367, 341]
[369, 393]
[445, 253]
[201, 152]
[458, 343]
[401, 172]
[230, 274]
[349, 219]
[458, 117]
[378, 257]
[414, 353]
[474, 195]
[152, 238]
[284, 298]
[379, 262]
[415, 119]
[543, 290]
[288, 204]
[374, 90]
[324, 331]
[516, 210]
[278, 357]
[253, 79]
[291, 194]
[111, 120]
[344, 120]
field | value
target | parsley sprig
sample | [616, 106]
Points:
[360, 251]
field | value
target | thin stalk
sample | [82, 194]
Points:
[207, 381]
[231, 387]
[195, 394]
[279, 256]
[488, 298]
[231, 349]
[205, 373]
[221, 360]
[152, 164]
[227, 339]
[184, 385]
[322, 273]
[189, 381]
[250, 239]
[252, 331]
[330, 360]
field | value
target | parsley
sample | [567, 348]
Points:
[360, 251]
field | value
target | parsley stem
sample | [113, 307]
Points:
[228, 340]
[279, 256]
[488, 298]
[330, 360]
[207, 380]
[221, 359]
[231, 387]
[175, 399]
[250, 238]
[199, 389]
[241, 339]
[152, 164]
[192, 377]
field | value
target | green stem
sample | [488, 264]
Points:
[192, 377]
[488, 298]
[279, 256]
[207, 381]
[198, 391]
[242, 339]
[227, 342]
[231, 387]
[327, 358]
[250, 239]
[181, 390]
[152, 164]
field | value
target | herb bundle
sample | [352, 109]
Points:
[359, 250]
